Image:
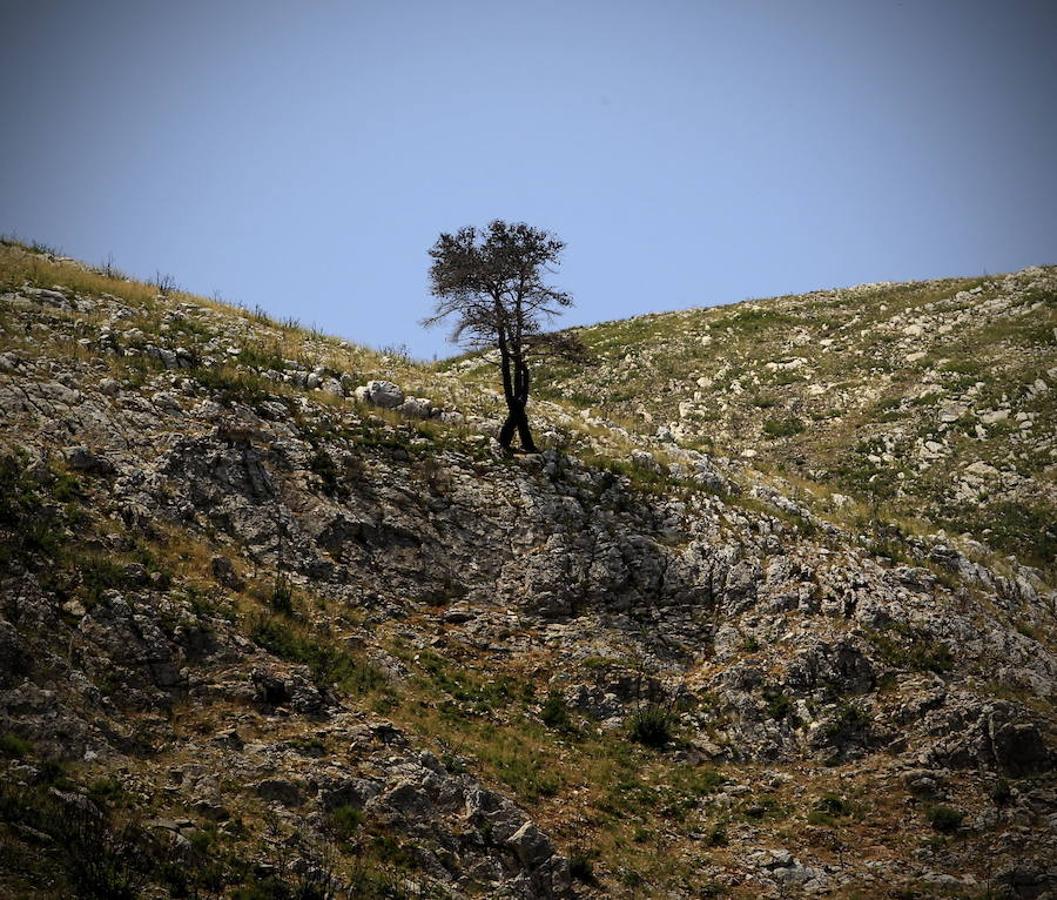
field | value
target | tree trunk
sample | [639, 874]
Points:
[516, 420]
[515, 391]
[523, 432]
[506, 433]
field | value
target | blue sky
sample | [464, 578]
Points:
[304, 156]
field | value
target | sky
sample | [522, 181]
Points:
[304, 156]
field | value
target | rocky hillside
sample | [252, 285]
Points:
[933, 400]
[278, 618]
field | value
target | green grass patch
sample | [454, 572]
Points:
[905, 647]
[786, 426]
[232, 385]
[330, 664]
[13, 746]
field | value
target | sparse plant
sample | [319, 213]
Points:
[1002, 793]
[13, 746]
[717, 835]
[651, 726]
[165, 283]
[581, 865]
[344, 821]
[555, 712]
[330, 664]
[945, 819]
[827, 809]
[783, 427]
[282, 598]
[778, 703]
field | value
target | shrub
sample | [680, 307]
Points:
[99, 573]
[261, 357]
[1002, 792]
[784, 427]
[827, 809]
[233, 386]
[1025, 529]
[165, 283]
[104, 791]
[717, 835]
[100, 858]
[923, 654]
[344, 821]
[28, 522]
[766, 809]
[14, 746]
[555, 713]
[778, 704]
[849, 720]
[581, 865]
[323, 465]
[52, 772]
[282, 598]
[945, 818]
[651, 726]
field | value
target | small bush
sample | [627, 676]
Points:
[945, 819]
[52, 772]
[778, 703]
[850, 720]
[922, 653]
[106, 791]
[581, 865]
[28, 522]
[832, 804]
[1002, 793]
[828, 808]
[555, 713]
[99, 573]
[323, 465]
[1024, 529]
[13, 746]
[651, 726]
[717, 835]
[265, 358]
[784, 427]
[233, 386]
[165, 283]
[344, 821]
[100, 858]
[282, 598]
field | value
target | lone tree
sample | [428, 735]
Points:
[490, 281]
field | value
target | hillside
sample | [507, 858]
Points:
[773, 614]
[935, 399]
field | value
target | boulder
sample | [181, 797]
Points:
[380, 393]
[81, 459]
[225, 574]
[532, 847]
[416, 408]
[282, 791]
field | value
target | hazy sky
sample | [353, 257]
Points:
[304, 156]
